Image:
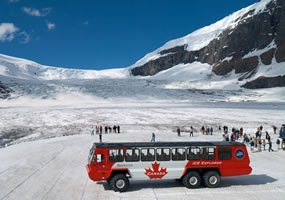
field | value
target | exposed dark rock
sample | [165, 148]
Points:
[266, 82]
[165, 62]
[240, 66]
[267, 56]
[160, 64]
[254, 32]
[5, 91]
[279, 27]
[280, 53]
[178, 49]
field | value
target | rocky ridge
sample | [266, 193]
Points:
[257, 39]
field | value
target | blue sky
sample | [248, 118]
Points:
[92, 34]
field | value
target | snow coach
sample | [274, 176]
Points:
[192, 162]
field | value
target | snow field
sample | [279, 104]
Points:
[32, 122]
[54, 168]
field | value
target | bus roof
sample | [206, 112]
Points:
[166, 144]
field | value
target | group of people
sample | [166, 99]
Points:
[255, 142]
[178, 130]
[106, 129]
[258, 142]
[260, 139]
[235, 135]
[207, 130]
[204, 130]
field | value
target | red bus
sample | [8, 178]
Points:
[192, 162]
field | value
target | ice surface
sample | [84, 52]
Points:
[54, 168]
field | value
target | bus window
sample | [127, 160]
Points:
[147, 155]
[91, 153]
[116, 155]
[178, 154]
[193, 153]
[99, 158]
[162, 154]
[132, 155]
[224, 153]
[208, 153]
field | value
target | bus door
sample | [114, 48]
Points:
[99, 160]
[177, 163]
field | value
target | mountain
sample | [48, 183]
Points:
[248, 45]
[220, 62]
[23, 78]
[29, 70]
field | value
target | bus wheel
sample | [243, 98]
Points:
[119, 183]
[192, 180]
[212, 179]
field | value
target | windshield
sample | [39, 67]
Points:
[91, 153]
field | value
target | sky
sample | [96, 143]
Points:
[93, 34]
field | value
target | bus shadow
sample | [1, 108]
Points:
[154, 184]
[256, 179]
[105, 185]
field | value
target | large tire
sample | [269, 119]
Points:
[212, 179]
[119, 183]
[192, 180]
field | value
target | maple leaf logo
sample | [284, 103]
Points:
[155, 173]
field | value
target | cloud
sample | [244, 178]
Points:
[13, 1]
[36, 12]
[25, 37]
[85, 23]
[7, 31]
[50, 25]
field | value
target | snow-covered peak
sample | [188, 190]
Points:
[10, 59]
[202, 37]
[25, 69]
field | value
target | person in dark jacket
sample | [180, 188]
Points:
[178, 131]
[191, 131]
[203, 130]
[270, 146]
[251, 145]
[267, 136]
[274, 129]
[118, 127]
[100, 137]
[153, 137]
[241, 132]
[257, 134]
